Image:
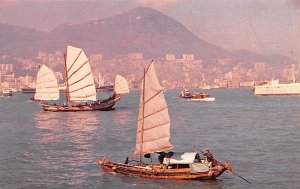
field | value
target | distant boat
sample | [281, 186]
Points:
[120, 85]
[152, 137]
[80, 86]
[273, 87]
[185, 94]
[28, 90]
[215, 87]
[206, 87]
[201, 97]
[7, 92]
[101, 87]
[105, 89]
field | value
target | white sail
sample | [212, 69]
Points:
[46, 85]
[121, 85]
[153, 131]
[81, 86]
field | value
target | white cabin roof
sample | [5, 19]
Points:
[187, 158]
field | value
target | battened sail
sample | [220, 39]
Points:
[80, 81]
[153, 131]
[121, 85]
[46, 85]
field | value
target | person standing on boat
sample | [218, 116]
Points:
[161, 157]
[209, 156]
[167, 159]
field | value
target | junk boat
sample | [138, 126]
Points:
[80, 86]
[152, 138]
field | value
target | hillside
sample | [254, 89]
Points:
[141, 29]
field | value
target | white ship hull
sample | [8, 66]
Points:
[277, 89]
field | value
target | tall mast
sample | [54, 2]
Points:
[67, 83]
[143, 117]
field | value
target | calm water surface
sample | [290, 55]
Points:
[259, 136]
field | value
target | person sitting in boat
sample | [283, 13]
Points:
[198, 158]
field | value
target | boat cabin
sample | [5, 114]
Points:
[187, 160]
[185, 94]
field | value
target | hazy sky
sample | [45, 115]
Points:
[263, 26]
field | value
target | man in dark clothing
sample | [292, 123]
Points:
[209, 156]
[161, 157]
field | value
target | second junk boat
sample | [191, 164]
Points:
[153, 137]
[80, 86]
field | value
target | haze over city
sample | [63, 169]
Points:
[265, 27]
[227, 44]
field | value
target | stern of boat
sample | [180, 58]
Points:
[219, 169]
[104, 164]
[117, 98]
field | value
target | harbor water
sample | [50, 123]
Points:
[258, 136]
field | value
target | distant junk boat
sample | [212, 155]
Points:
[153, 134]
[80, 86]
[120, 85]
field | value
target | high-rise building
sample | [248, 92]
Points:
[170, 57]
[6, 67]
[135, 56]
[188, 57]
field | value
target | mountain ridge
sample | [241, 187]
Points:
[141, 29]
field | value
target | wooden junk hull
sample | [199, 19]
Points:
[105, 105]
[157, 172]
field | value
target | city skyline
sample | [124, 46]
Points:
[264, 27]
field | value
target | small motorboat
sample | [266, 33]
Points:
[203, 97]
